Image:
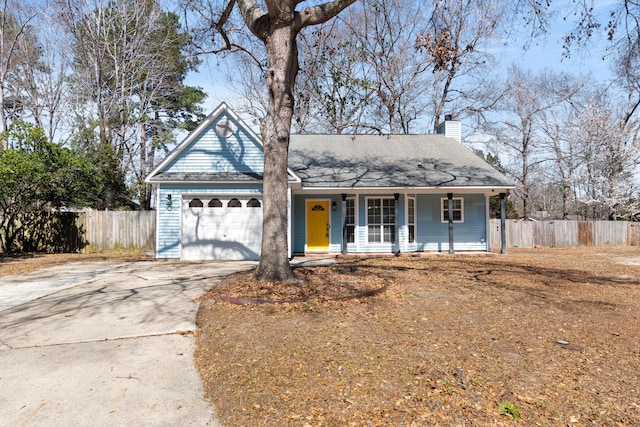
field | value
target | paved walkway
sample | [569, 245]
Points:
[104, 344]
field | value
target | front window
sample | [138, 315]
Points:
[411, 218]
[381, 220]
[458, 209]
[350, 221]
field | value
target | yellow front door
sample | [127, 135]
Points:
[317, 225]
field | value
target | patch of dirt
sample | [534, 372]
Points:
[25, 263]
[547, 335]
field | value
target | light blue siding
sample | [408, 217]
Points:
[431, 233]
[211, 153]
[298, 227]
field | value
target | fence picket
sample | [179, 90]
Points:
[126, 230]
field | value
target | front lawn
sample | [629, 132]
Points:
[548, 337]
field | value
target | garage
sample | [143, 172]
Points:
[221, 227]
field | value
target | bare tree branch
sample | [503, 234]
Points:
[255, 18]
[321, 13]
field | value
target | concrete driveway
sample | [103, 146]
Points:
[104, 344]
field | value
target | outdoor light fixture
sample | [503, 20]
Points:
[169, 202]
[334, 206]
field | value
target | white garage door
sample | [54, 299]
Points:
[221, 228]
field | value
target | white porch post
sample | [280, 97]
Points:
[289, 221]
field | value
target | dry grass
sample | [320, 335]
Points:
[25, 263]
[454, 340]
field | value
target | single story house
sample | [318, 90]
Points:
[347, 193]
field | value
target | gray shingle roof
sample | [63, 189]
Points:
[420, 161]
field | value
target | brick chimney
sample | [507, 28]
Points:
[450, 128]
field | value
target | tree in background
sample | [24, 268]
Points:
[607, 154]
[456, 38]
[19, 52]
[333, 92]
[515, 130]
[495, 210]
[129, 69]
[386, 31]
[37, 176]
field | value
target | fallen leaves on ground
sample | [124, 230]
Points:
[29, 262]
[453, 340]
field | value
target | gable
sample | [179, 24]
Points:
[221, 148]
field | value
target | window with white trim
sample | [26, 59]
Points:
[411, 219]
[350, 220]
[457, 211]
[381, 220]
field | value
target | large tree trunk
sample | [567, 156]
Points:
[281, 74]
[278, 29]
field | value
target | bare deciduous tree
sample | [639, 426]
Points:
[456, 37]
[276, 24]
[608, 153]
[19, 50]
[129, 71]
[333, 93]
[517, 132]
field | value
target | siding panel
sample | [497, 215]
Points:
[238, 153]
[433, 235]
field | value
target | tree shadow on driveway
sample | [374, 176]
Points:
[126, 300]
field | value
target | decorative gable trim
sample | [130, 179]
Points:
[158, 174]
[196, 133]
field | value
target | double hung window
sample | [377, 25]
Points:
[411, 219]
[350, 221]
[457, 211]
[381, 220]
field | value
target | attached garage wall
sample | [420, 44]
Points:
[169, 217]
[221, 227]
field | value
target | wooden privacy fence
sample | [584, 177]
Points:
[117, 230]
[126, 230]
[549, 234]
[96, 231]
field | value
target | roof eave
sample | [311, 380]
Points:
[208, 181]
[405, 189]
